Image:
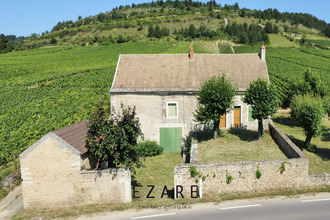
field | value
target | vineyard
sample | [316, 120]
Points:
[47, 89]
[288, 64]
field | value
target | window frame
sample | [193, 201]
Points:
[177, 110]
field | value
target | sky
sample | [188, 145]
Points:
[25, 17]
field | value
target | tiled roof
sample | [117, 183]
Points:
[75, 135]
[176, 72]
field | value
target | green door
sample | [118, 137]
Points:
[171, 139]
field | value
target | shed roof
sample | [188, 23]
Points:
[75, 135]
[176, 72]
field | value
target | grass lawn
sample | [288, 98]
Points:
[238, 145]
[319, 162]
[158, 171]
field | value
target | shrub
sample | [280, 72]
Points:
[193, 171]
[258, 173]
[149, 149]
[229, 178]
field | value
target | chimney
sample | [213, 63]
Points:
[191, 54]
[263, 52]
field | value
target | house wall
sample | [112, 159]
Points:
[52, 177]
[151, 111]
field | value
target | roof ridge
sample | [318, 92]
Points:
[70, 126]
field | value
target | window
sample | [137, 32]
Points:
[172, 110]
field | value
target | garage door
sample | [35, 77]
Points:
[171, 139]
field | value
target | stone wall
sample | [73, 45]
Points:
[241, 176]
[52, 177]
[286, 145]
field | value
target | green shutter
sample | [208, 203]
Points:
[171, 139]
[250, 113]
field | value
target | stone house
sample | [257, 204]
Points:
[55, 173]
[163, 87]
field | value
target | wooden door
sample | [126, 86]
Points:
[222, 121]
[237, 116]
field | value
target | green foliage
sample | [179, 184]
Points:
[251, 34]
[216, 96]
[229, 178]
[316, 86]
[309, 112]
[326, 104]
[53, 40]
[114, 139]
[263, 99]
[5, 44]
[282, 167]
[287, 67]
[258, 172]
[149, 149]
[49, 89]
[193, 171]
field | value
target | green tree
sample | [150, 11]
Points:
[5, 44]
[317, 86]
[269, 27]
[53, 40]
[308, 110]
[113, 137]
[192, 31]
[215, 98]
[263, 99]
[151, 31]
[157, 32]
[176, 4]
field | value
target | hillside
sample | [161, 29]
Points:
[175, 20]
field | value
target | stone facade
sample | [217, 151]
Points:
[52, 177]
[151, 110]
[277, 174]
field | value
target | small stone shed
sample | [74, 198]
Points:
[163, 87]
[55, 173]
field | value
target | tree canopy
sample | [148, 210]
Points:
[308, 110]
[263, 99]
[113, 137]
[215, 98]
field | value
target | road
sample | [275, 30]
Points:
[305, 207]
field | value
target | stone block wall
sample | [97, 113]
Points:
[52, 177]
[287, 146]
[241, 176]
